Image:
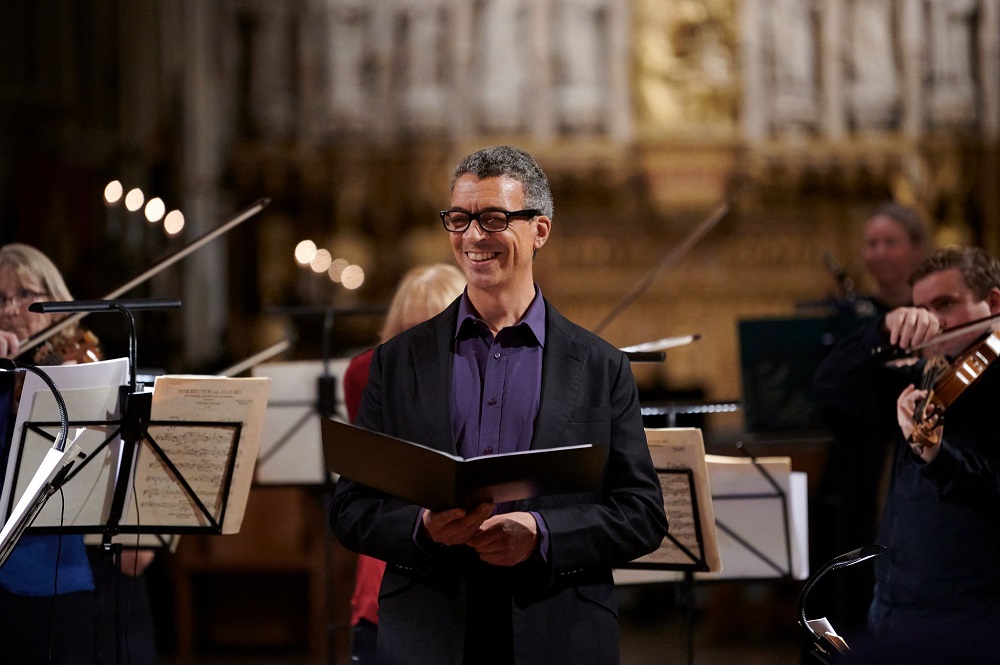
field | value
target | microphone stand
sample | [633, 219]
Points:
[849, 559]
[135, 408]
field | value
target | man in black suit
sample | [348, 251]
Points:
[499, 371]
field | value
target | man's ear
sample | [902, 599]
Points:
[543, 226]
[993, 299]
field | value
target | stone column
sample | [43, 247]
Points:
[832, 108]
[205, 293]
[911, 29]
[754, 116]
[989, 68]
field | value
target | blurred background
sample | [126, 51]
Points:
[348, 115]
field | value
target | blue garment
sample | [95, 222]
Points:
[31, 568]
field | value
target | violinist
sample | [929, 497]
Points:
[54, 599]
[941, 521]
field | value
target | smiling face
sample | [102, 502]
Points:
[946, 295]
[497, 265]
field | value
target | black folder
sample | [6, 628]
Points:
[439, 481]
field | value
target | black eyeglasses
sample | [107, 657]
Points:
[491, 221]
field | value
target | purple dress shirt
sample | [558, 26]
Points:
[496, 387]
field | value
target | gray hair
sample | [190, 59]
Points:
[503, 160]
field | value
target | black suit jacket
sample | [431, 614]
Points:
[563, 605]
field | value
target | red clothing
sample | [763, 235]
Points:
[368, 577]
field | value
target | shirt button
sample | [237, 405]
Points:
[489, 450]
[493, 401]
[497, 355]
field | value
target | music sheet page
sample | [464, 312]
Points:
[201, 454]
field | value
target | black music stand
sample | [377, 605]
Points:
[690, 546]
[134, 427]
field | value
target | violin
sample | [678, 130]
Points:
[72, 345]
[944, 383]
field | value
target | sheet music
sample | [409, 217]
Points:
[199, 453]
[747, 504]
[90, 391]
[678, 449]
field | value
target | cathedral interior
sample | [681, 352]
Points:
[711, 163]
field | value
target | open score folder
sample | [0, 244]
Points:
[439, 481]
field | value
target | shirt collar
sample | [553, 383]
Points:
[534, 318]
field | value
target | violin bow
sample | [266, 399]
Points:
[668, 260]
[959, 330]
[157, 267]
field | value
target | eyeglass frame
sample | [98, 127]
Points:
[530, 213]
[24, 296]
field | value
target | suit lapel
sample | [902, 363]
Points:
[562, 379]
[433, 380]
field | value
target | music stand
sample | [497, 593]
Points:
[177, 504]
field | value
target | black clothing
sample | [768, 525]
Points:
[941, 523]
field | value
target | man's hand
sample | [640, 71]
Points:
[911, 326]
[455, 526]
[9, 344]
[926, 447]
[506, 540]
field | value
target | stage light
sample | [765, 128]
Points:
[173, 222]
[134, 199]
[305, 251]
[155, 209]
[352, 277]
[321, 261]
[337, 269]
[113, 192]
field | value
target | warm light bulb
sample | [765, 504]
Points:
[155, 209]
[305, 251]
[134, 199]
[173, 222]
[113, 192]
[352, 277]
[321, 261]
[337, 269]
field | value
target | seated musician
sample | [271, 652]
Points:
[940, 577]
[52, 609]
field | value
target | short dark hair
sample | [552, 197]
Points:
[906, 217]
[503, 160]
[980, 271]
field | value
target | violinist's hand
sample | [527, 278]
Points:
[135, 562]
[507, 539]
[455, 526]
[909, 327]
[9, 344]
[925, 447]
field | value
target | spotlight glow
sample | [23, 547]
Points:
[305, 252]
[337, 269]
[134, 199]
[173, 222]
[113, 192]
[352, 277]
[155, 209]
[321, 262]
